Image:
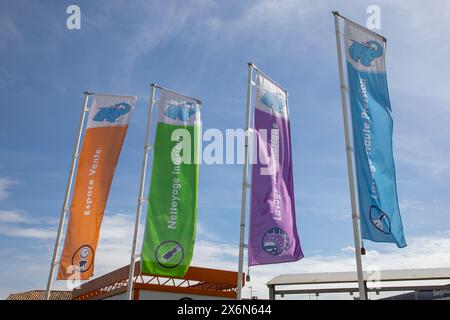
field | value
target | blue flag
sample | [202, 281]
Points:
[372, 136]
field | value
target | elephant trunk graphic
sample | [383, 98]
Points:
[273, 101]
[112, 113]
[180, 113]
[377, 49]
[365, 52]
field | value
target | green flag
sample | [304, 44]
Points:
[172, 211]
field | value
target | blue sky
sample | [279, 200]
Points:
[201, 48]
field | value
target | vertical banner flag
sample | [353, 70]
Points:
[106, 128]
[372, 135]
[172, 210]
[273, 234]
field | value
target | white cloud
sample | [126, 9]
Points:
[348, 249]
[9, 216]
[12, 225]
[204, 233]
[117, 226]
[5, 184]
[270, 20]
[154, 24]
[27, 232]
[409, 204]
[8, 31]
[11, 221]
[116, 238]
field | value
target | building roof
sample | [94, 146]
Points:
[344, 277]
[40, 295]
[345, 282]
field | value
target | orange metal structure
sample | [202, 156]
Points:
[197, 281]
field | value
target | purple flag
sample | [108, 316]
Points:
[273, 231]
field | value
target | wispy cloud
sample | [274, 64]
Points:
[116, 237]
[425, 158]
[153, 24]
[27, 232]
[9, 31]
[19, 224]
[9, 216]
[5, 185]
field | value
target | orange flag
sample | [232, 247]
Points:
[106, 128]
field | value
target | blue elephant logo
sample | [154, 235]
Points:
[272, 101]
[112, 113]
[181, 113]
[365, 52]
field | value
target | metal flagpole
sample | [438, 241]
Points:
[355, 216]
[84, 110]
[244, 184]
[147, 148]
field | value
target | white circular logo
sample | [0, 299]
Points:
[84, 252]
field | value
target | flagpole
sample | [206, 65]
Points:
[62, 218]
[348, 148]
[244, 184]
[147, 148]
